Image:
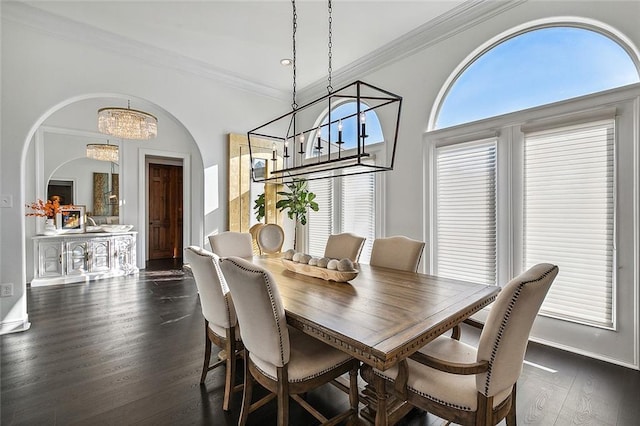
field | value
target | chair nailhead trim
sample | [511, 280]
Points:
[503, 325]
[222, 282]
[304, 379]
[271, 298]
[427, 396]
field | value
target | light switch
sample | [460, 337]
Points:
[6, 200]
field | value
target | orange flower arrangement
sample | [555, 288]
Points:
[42, 209]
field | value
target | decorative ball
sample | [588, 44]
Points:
[345, 265]
[313, 261]
[296, 257]
[305, 258]
[288, 254]
[333, 264]
[322, 262]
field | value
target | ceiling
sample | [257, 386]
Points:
[247, 39]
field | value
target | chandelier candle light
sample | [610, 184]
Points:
[340, 141]
[127, 123]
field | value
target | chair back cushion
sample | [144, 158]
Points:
[504, 338]
[231, 244]
[347, 245]
[260, 311]
[397, 252]
[254, 236]
[215, 299]
[270, 238]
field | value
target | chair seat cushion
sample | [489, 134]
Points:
[453, 390]
[309, 358]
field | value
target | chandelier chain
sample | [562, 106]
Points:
[294, 104]
[330, 44]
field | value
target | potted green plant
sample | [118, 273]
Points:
[258, 207]
[297, 200]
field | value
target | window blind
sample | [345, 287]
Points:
[465, 211]
[347, 204]
[320, 223]
[569, 217]
[358, 209]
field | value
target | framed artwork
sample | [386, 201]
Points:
[100, 188]
[259, 167]
[62, 190]
[72, 218]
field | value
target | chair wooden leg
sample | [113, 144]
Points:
[484, 414]
[207, 352]
[230, 375]
[283, 397]
[246, 394]
[455, 332]
[511, 415]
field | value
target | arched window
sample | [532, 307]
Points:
[534, 68]
[531, 156]
[347, 203]
[349, 127]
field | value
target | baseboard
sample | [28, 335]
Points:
[15, 326]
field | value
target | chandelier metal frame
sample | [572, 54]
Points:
[296, 128]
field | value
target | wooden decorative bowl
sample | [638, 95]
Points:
[317, 272]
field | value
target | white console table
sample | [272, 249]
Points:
[71, 258]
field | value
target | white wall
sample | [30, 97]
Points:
[42, 74]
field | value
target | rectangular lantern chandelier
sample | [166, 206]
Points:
[335, 135]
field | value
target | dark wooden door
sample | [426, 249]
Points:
[165, 211]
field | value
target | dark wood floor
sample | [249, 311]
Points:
[129, 351]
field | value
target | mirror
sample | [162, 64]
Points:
[243, 191]
[91, 183]
[67, 173]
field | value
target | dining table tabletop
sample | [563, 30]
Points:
[382, 315]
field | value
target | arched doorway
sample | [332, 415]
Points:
[65, 120]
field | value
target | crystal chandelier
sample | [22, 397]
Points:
[127, 123]
[103, 152]
[303, 148]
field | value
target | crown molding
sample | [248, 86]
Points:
[67, 29]
[457, 20]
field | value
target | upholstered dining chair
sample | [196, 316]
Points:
[283, 360]
[397, 252]
[230, 243]
[470, 386]
[254, 236]
[220, 321]
[346, 245]
[270, 238]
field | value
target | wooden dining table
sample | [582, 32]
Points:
[380, 317]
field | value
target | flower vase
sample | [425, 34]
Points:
[50, 227]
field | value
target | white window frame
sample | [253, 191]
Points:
[621, 344]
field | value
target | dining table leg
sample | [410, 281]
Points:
[381, 413]
[374, 397]
[381, 407]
